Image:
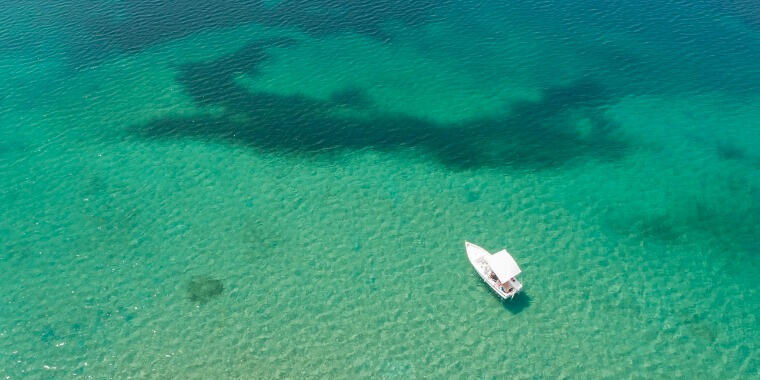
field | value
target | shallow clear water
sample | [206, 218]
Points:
[241, 189]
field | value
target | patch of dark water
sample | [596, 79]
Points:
[202, 289]
[531, 135]
[104, 29]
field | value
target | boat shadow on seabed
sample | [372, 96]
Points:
[514, 305]
[518, 303]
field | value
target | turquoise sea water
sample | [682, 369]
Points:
[282, 189]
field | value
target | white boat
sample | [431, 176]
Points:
[499, 270]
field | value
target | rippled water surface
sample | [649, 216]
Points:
[282, 189]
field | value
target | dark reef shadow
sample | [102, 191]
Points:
[730, 226]
[566, 125]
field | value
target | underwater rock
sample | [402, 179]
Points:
[729, 152]
[203, 288]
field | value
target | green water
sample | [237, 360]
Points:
[283, 190]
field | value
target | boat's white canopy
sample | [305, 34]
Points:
[503, 265]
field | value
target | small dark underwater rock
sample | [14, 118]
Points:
[203, 288]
